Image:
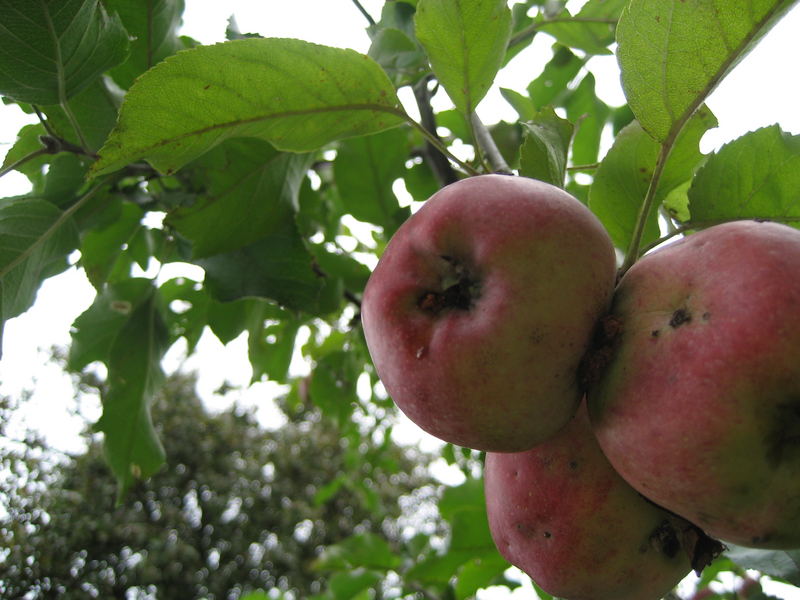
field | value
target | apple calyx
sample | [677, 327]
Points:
[674, 535]
[461, 289]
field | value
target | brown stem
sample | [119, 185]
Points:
[445, 174]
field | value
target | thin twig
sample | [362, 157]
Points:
[364, 12]
[45, 123]
[21, 161]
[590, 167]
[634, 248]
[50, 145]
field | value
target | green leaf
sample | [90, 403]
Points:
[471, 531]
[466, 42]
[53, 49]
[65, 180]
[296, 95]
[154, 32]
[398, 55]
[520, 103]
[228, 320]
[333, 384]
[131, 444]
[589, 114]
[674, 53]
[28, 142]
[365, 168]
[366, 550]
[550, 87]
[186, 311]
[102, 247]
[343, 266]
[277, 267]
[270, 348]
[421, 182]
[349, 586]
[755, 176]
[469, 494]
[439, 568]
[587, 31]
[35, 239]
[95, 330]
[546, 147]
[249, 191]
[621, 182]
[396, 15]
[258, 595]
[479, 573]
[94, 110]
[783, 564]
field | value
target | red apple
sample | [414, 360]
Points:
[563, 515]
[481, 307]
[699, 408]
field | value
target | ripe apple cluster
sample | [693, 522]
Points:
[627, 425]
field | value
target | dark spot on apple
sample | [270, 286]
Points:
[525, 530]
[547, 534]
[655, 333]
[706, 316]
[783, 441]
[573, 464]
[664, 539]
[680, 317]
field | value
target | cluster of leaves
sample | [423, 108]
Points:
[264, 161]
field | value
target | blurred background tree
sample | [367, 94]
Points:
[239, 508]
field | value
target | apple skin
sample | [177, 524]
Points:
[699, 408]
[482, 306]
[563, 515]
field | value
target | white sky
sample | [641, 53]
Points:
[762, 90]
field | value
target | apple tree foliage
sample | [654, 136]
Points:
[281, 167]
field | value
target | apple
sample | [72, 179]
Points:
[481, 307]
[699, 406]
[563, 515]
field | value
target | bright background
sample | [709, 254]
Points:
[761, 91]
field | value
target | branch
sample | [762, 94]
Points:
[486, 142]
[435, 157]
[50, 145]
